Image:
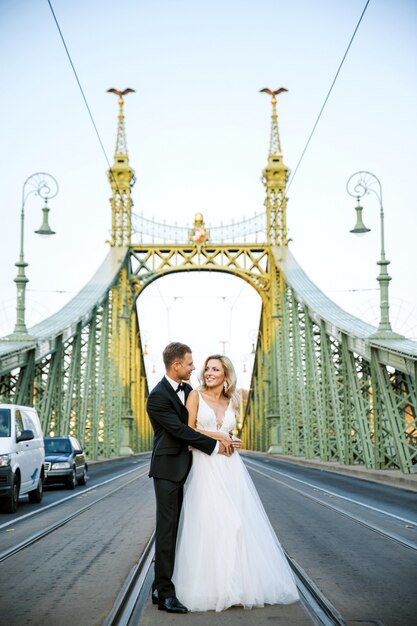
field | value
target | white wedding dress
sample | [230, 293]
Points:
[227, 551]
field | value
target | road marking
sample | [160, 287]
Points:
[332, 493]
[55, 526]
[355, 518]
[75, 495]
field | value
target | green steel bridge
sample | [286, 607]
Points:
[325, 384]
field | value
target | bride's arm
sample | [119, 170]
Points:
[192, 406]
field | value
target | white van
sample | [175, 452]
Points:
[22, 456]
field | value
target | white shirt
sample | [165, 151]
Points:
[181, 395]
[174, 385]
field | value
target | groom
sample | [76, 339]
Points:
[170, 464]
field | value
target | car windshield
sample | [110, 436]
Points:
[56, 445]
[4, 422]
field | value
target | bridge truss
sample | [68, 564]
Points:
[340, 396]
[321, 386]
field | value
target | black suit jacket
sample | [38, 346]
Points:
[172, 435]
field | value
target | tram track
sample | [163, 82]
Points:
[45, 532]
[135, 590]
[133, 600]
[317, 605]
[16, 520]
[134, 594]
[254, 467]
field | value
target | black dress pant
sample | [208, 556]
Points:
[169, 496]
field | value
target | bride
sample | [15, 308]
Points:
[227, 552]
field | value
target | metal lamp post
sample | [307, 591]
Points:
[358, 185]
[45, 186]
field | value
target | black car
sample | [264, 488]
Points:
[64, 462]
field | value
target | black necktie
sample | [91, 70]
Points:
[181, 387]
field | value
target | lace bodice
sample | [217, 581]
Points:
[206, 417]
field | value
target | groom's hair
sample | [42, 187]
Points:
[174, 351]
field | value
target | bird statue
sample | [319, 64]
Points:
[120, 93]
[273, 93]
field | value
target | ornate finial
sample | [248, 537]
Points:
[273, 93]
[120, 93]
[275, 143]
[198, 234]
[121, 147]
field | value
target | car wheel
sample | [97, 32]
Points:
[36, 494]
[11, 503]
[72, 480]
[83, 478]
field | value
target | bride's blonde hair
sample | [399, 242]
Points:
[229, 375]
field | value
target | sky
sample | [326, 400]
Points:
[197, 135]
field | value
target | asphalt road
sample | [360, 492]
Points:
[365, 575]
[74, 574]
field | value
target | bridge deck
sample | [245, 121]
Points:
[347, 536]
[285, 615]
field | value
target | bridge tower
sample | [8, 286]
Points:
[121, 178]
[126, 354]
[275, 176]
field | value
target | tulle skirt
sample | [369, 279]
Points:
[227, 551]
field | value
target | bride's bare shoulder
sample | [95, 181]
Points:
[193, 397]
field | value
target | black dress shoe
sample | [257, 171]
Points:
[171, 605]
[155, 597]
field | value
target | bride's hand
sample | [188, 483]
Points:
[225, 448]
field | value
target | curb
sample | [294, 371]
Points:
[392, 478]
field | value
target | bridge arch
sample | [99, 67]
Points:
[210, 311]
[250, 263]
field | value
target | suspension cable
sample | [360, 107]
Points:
[309, 138]
[79, 84]
[84, 97]
[327, 97]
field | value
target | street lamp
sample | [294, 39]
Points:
[223, 342]
[358, 185]
[45, 186]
